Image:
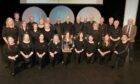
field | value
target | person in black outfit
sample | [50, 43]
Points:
[120, 52]
[79, 48]
[17, 21]
[115, 33]
[12, 53]
[67, 47]
[48, 33]
[102, 27]
[40, 50]
[110, 24]
[26, 51]
[90, 24]
[58, 27]
[90, 48]
[22, 30]
[68, 26]
[78, 26]
[54, 49]
[34, 33]
[104, 49]
[41, 25]
[85, 26]
[10, 30]
[30, 23]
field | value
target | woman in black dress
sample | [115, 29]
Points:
[79, 47]
[90, 49]
[104, 49]
[10, 30]
[120, 52]
[26, 50]
[54, 50]
[67, 47]
[41, 25]
[22, 30]
[40, 50]
[12, 53]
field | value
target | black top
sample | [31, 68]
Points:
[41, 47]
[54, 47]
[90, 47]
[78, 27]
[34, 35]
[26, 48]
[121, 48]
[21, 33]
[41, 30]
[90, 26]
[79, 45]
[109, 27]
[103, 29]
[96, 35]
[48, 35]
[67, 27]
[11, 50]
[10, 32]
[104, 48]
[115, 33]
[58, 28]
[17, 24]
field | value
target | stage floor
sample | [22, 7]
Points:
[75, 74]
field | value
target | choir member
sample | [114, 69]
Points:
[78, 25]
[67, 47]
[54, 49]
[90, 24]
[120, 52]
[115, 32]
[58, 27]
[68, 26]
[26, 51]
[22, 30]
[49, 22]
[85, 25]
[10, 30]
[102, 27]
[48, 33]
[12, 54]
[30, 23]
[90, 48]
[41, 50]
[41, 25]
[131, 30]
[110, 24]
[104, 49]
[34, 33]
[79, 48]
[16, 20]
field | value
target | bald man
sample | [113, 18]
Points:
[131, 30]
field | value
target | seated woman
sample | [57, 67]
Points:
[12, 53]
[67, 47]
[40, 50]
[26, 50]
[120, 52]
[54, 50]
[90, 49]
[79, 47]
[104, 49]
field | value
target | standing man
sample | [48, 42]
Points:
[131, 30]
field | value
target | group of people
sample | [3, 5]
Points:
[30, 43]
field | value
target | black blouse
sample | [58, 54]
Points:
[90, 47]
[41, 47]
[79, 45]
[54, 47]
[104, 48]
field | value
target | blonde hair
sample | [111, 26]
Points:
[7, 22]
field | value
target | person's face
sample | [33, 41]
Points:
[116, 23]
[124, 38]
[56, 38]
[26, 37]
[101, 20]
[41, 21]
[24, 24]
[31, 18]
[41, 37]
[67, 35]
[48, 20]
[95, 26]
[47, 26]
[16, 15]
[81, 35]
[10, 40]
[91, 18]
[90, 38]
[68, 19]
[85, 19]
[78, 19]
[10, 22]
[58, 20]
[106, 37]
[130, 22]
[35, 26]
[111, 20]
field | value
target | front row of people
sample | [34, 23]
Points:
[61, 50]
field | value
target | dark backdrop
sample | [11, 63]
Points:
[114, 8]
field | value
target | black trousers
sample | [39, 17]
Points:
[40, 61]
[28, 62]
[67, 57]
[79, 57]
[56, 59]
[90, 59]
[12, 66]
[104, 59]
